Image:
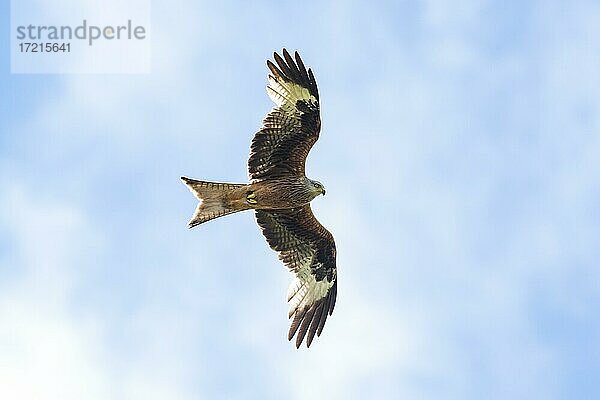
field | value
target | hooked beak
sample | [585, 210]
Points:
[323, 191]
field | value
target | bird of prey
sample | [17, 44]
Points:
[280, 194]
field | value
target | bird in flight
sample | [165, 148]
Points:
[280, 194]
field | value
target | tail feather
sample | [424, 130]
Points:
[216, 199]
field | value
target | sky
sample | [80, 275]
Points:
[460, 149]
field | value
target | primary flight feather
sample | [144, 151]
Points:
[280, 193]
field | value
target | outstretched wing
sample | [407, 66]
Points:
[289, 131]
[308, 250]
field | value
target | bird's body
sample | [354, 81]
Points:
[280, 194]
[273, 194]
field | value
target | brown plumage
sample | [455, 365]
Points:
[280, 193]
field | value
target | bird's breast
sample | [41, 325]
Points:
[279, 194]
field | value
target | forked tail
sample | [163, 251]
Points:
[216, 199]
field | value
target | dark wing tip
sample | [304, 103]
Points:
[274, 70]
[282, 65]
[311, 320]
[293, 69]
[333, 297]
[304, 327]
[316, 320]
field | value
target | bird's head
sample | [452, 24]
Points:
[318, 187]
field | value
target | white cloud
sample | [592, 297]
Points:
[50, 348]
[46, 353]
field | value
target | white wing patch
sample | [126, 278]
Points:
[305, 290]
[286, 94]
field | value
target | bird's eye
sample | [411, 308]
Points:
[317, 185]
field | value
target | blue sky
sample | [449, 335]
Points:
[461, 154]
